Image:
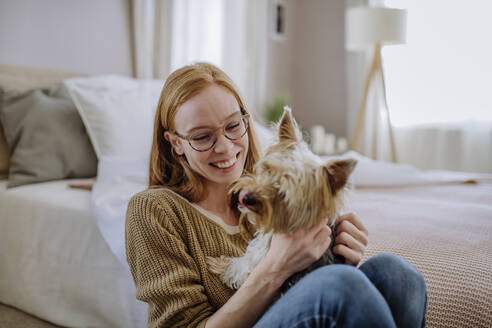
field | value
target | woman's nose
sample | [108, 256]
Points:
[222, 145]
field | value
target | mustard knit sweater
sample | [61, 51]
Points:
[167, 241]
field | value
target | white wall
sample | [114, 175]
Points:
[94, 37]
[89, 36]
[280, 55]
[310, 64]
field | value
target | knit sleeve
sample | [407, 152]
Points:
[165, 275]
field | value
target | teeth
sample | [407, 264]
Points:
[226, 164]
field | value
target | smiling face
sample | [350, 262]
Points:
[212, 108]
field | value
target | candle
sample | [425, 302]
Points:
[342, 145]
[329, 144]
[317, 138]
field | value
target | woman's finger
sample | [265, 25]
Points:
[322, 240]
[348, 227]
[355, 220]
[351, 257]
[349, 241]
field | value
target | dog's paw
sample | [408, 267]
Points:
[218, 265]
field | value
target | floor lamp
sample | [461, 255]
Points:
[374, 27]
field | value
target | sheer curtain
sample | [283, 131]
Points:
[230, 34]
[439, 85]
[151, 38]
[197, 32]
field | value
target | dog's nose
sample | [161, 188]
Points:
[245, 199]
[242, 195]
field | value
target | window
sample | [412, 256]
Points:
[197, 32]
[444, 72]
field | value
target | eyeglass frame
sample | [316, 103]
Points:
[243, 116]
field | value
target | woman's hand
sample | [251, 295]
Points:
[290, 253]
[352, 238]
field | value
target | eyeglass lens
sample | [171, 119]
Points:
[205, 139]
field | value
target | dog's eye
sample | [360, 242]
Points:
[248, 200]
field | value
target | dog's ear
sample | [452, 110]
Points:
[287, 129]
[337, 173]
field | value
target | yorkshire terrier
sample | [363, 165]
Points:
[290, 188]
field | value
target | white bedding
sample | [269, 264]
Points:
[55, 264]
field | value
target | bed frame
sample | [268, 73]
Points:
[24, 78]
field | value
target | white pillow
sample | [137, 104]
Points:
[118, 113]
[266, 135]
[117, 181]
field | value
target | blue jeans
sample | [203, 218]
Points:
[386, 291]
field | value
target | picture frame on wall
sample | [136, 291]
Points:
[278, 15]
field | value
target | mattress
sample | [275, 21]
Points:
[55, 264]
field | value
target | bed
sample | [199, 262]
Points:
[54, 262]
[62, 248]
[56, 265]
[445, 231]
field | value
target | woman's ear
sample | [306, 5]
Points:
[175, 142]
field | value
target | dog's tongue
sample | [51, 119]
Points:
[242, 194]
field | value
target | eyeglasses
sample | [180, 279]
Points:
[204, 139]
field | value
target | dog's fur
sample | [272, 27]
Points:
[290, 188]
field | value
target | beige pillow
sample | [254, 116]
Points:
[46, 137]
[4, 156]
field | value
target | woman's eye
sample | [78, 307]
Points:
[233, 126]
[201, 137]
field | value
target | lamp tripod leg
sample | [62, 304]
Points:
[363, 104]
[385, 99]
[375, 69]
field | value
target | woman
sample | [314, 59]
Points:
[203, 141]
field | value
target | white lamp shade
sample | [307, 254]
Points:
[366, 26]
